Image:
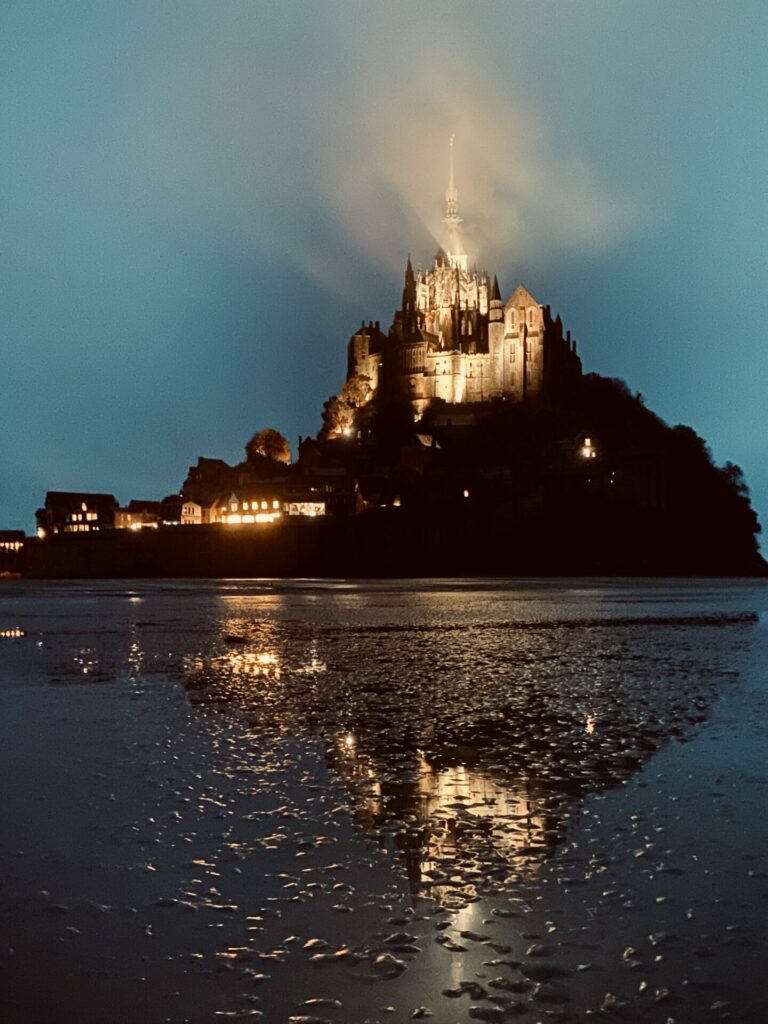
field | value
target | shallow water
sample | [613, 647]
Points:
[462, 801]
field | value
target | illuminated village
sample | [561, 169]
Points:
[472, 416]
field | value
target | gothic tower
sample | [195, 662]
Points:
[454, 339]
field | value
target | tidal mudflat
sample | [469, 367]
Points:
[359, 802]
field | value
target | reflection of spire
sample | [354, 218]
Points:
[456, 256]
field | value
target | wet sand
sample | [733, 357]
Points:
[383, 802]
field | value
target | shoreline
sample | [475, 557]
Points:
[388, 544]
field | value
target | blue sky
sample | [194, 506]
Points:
[200, 201]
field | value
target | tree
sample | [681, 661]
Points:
[269, 444]
[357, 390]
[340, 411]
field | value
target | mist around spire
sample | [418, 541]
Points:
[453, 246]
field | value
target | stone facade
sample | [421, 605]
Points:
[454, 339]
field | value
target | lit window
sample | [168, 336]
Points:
[275, 504]
[246, 506]
[84, 507]
[588, 450]
[264, 504]
[233, 506]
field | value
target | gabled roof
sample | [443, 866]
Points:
[78, 497]
[137, 505]
[521, 297]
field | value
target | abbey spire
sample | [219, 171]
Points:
[456, 341]
[453, 246]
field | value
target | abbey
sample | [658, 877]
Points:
[455, 339]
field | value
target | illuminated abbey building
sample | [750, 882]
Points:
[455, 339]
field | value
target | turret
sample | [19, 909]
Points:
[496, 308]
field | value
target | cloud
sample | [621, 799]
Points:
[332, 162]
[520, 197]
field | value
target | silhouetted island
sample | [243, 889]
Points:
[465, 441]
[592, 484]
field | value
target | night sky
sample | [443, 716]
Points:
[199, 202]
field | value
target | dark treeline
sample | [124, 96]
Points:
[590, 481]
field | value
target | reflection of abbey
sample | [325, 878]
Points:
[455, 339]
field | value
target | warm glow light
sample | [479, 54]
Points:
[588, 451]
[466, 494]
[306, 508]
[235, 519]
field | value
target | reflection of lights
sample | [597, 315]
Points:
[135, 654]
[590, 724]
[86, 662]
[450, 808]
[244, 663]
